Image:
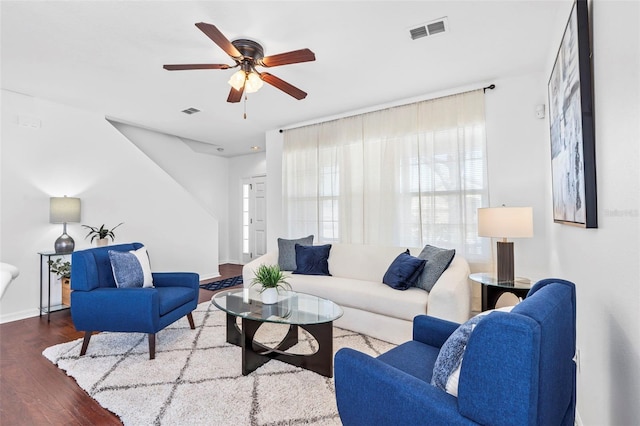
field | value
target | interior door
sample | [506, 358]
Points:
[254, 217]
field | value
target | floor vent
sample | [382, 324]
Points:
[439, 26]
[190, 111]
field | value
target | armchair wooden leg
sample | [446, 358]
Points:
[85, 342]
[152, 346]
[190, 318]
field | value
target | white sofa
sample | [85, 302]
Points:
[370, 306]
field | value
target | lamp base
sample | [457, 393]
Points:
[64, 244]
[505, 262]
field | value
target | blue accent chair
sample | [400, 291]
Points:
[98, 305]
[518, 369]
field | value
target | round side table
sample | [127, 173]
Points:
[492, 289]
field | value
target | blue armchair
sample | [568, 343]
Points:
[517, 369]
[98, 305]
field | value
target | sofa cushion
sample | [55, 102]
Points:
[446, 370]
[438, 260]
[128, 270]
[369, 296]
[287, 252]
[403, 271]
[312, 260]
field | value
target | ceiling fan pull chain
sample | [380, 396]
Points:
[245, 106]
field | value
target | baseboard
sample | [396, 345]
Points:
[209, 276]
[15, 316]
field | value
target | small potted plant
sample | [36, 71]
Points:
[102, 234]
[63, 271]
[271, 280]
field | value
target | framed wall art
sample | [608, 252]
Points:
[571, 122]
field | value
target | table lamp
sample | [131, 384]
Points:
[505, 222]
[64, 210]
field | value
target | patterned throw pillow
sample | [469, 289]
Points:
[287, 252]
[438, 260]
[446, 370]
[131, 269]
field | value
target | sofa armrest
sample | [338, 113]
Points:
[450, 297]
[248, 270]
[432, 331]
[116, 309]
[371, 392]
[176, 279]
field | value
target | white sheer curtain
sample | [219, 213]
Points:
[404, 176]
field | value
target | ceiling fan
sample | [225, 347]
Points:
[248, 55]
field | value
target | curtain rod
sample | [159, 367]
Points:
[484, 90]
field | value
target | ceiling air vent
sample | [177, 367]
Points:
[438, 26]
[418, 32]
[190, 111]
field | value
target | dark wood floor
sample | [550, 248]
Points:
[33, 391]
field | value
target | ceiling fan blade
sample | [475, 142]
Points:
[218, 38]
[293, 57]
[196, 67]
[283, 85]
[235, 95]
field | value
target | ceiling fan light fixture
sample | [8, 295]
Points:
[253, 84]
[237, 79]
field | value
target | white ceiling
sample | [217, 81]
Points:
[107, 56]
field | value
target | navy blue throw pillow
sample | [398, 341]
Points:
[312, 260]
[403, 271]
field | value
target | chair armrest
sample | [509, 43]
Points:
[176, 279]
[432, 331]
[248, 270]
[116, 309]
[370, 392]
[487, 372]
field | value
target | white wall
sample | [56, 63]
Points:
[204, 176]
[241, 167]
[275, 225]
[605, 262]
[518, 159]
[78, 153]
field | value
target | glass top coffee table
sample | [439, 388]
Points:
[313, 314]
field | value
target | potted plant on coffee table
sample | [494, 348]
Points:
[271, 280]
[102, 234]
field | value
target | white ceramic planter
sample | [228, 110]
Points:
[101, 242]
[269, 296]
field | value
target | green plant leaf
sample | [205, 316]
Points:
[270, 276]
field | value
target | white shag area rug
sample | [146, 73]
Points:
[196, 378]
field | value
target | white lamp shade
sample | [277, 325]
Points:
[505, 222]
[64, 209]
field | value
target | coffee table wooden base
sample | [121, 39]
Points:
[255, 354]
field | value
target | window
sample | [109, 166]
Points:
[404, 176]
